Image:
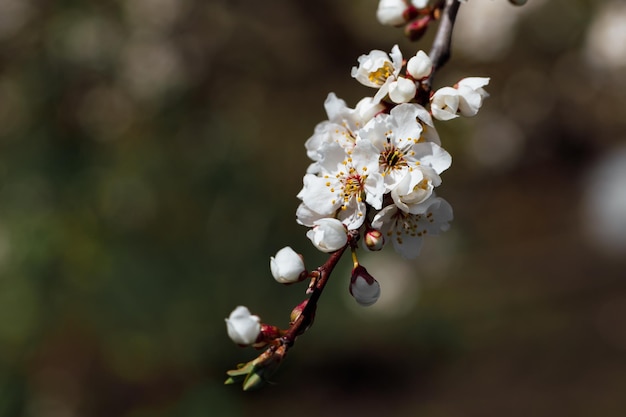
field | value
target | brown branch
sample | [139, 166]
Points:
[440, 51]
[323, 272]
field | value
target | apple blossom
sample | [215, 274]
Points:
[242, 327]
[287, 267]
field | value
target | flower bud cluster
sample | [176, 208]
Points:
[373, 173]
[375, 167]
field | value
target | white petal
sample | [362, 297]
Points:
[402, 90]
[420, 66]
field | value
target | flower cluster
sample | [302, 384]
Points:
[376, 167]
[372, 177]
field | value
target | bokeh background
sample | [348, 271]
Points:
[150, 154]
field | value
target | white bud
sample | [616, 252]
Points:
[242, 327]
[444, 104]
[363, 287]
[391, 12]
[420, 66]
[402, 90]
[287, 266]
[328, 235]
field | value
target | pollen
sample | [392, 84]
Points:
[379, 76]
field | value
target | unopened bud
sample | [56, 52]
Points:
[297, 312]
[287, 267]
[419, 66]
[373, 240]
[328, 235]
[266, 335]
[364, 287]
[391, 12]
[417, 28]
[242, 327]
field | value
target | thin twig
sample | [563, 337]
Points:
[440, 51]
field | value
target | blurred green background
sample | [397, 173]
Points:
[150, 154]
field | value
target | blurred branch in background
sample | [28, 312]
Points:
[130, 165]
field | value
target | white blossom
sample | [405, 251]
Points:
[328, 235]
[345, 182]
[287, 266]
[444, 104]
[242, 327]
[407, 230]
[378, 70]
[401, 152]
[342, 125]
[419, 66]
[471, 95]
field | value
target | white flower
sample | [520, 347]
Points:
[363, 287]
[471, 95]
[406, 230]
[287, 266]
[328, 235]
[420, 66]
[342, 124]
[409, 199]
[242, 327]
[402, 90]
[344, 182]
[401, 153]
[378, 70]
[391, 12]
[444, 104]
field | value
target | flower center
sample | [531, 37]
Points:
[353, 187]
[391, 158]
[379, 76]
[406, 225]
